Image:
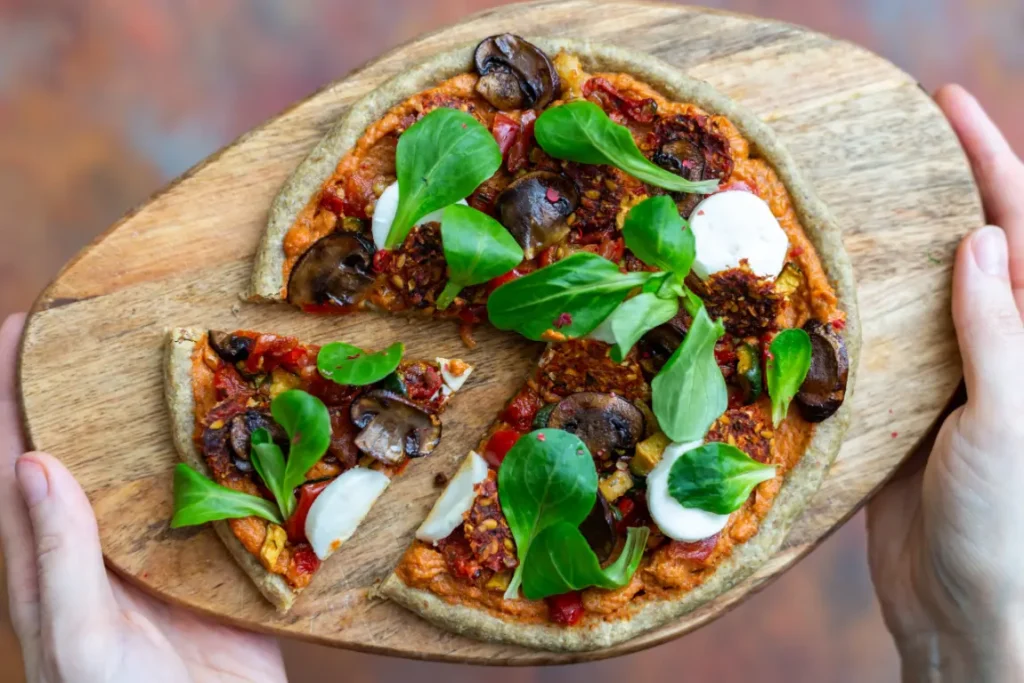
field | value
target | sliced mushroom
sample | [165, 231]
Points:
[824, 388]
[243, 425]
[393, 427]
[534, 209]
[514, 73]
[599, 529]
[230, 347]
[658, 345]
[336, 270]
[606, 423]
[682, 157]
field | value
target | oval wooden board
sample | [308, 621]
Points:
[873, 143]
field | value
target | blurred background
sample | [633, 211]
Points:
[103, 101]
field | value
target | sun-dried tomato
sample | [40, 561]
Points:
[519, 152]
[269, 351]
[565, 609]
[331, 201]
[505, 130]
[305, 560]
[498, 446]
[382, 260]
[227, 382]
[640, 110]
[458, 556]
[421, 381]
[520, 411]
[502, 279]
[296, 524]
[612, 249]
[697, 551]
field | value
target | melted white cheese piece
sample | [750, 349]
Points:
[455, 501]
[384, 215]
[675, 521]
[452, 381]
[735, 225]
[341, 506]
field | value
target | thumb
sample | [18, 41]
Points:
[74, 592]
[988, 323]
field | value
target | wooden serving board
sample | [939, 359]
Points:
[872, 142]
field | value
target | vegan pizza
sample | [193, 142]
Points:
[696, 300]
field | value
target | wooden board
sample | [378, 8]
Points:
[873, 143]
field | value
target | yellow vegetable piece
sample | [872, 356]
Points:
[273, 545]
[615, 485]
[648, 454]
[281, 381]
[499, 582]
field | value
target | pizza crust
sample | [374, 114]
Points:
[181, 407]
[818, 223]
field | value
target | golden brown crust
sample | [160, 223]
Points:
[181, 409]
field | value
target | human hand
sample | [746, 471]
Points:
[76, 622]
[946, 538]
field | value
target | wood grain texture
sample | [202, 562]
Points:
[873, 144]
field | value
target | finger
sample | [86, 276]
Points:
[997, 170]
[73, 587]
[988, 324]
[15, 528]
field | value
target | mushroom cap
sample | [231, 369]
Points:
[336, 270]
[534, 209]
[514, 73]
[232, 348]
[599, 528]
[605, 423]
[824, 388]
[393, 427]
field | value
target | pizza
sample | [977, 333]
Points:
[697, 302]
[286, 446]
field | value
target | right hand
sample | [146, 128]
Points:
[946, 538]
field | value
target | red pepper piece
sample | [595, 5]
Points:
[498, 446]
[296, 524]
[306, 561]
[502, 279]
[521, 410]
[227, 382]
[505, 130]
[697, 551]
[332, 202]
[518, 153]
[565, 609]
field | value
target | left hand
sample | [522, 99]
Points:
[76, 622]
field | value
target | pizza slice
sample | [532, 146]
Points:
[286, 446]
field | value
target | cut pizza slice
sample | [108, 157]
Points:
[286, 446]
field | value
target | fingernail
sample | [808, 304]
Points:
[989, 248]
[32, 480]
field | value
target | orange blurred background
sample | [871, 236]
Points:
[103, 102]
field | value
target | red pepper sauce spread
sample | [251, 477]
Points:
[752, 309]
[224, 392]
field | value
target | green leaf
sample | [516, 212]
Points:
[548, 476]
[581, 131]
[571, 296]
[268, 461]
[198, 500]
[634, 318]
[789, 359]
[657, 235]
[689, 393]
[347, 364]
[477, 249]
[715, 477]
[439, 160]
[305, 419]
[561, 560]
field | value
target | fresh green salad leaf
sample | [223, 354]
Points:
[198, 500]
[581, 131]
[715, 477]
[548, 476]
[305, 419]
[269, 463]
[789, 359]
[657, 235]
[477, 249]
[634, 318]
[439, 160]
[571, 296]
[561, 560]
[689, 393]
[347, 364]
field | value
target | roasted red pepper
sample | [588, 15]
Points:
[332, 202]
[306, 561]
[697, 552]
[505, 130]
[565, 609]
[502, 279]
[519, 152]
[520, 411]
[640, 110]
[498, 446]
[227, 382]
[296, 524]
